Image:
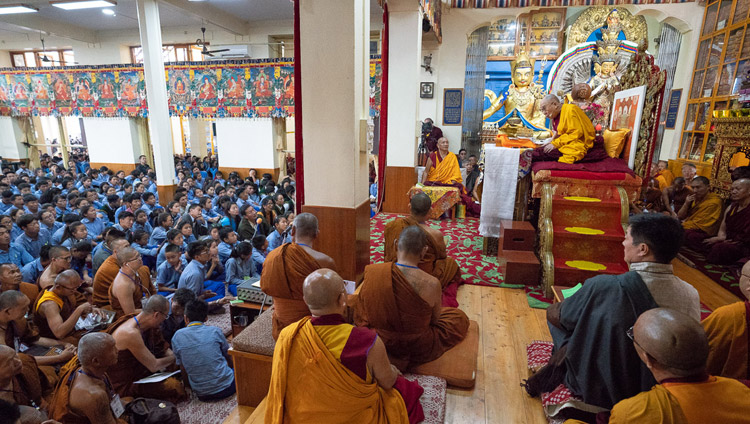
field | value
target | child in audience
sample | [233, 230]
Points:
[148, 252]
[164, 224]
[168, 273]
[228, 241]
[93, 223]
[141, 222]
[186, 229]
[240, 266]
[75, 232]
[215, 270]
[173, 237]
[260, 244]
[276, 238]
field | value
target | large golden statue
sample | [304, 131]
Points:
[521, 101]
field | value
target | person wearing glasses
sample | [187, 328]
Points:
[593, 356]
[131, 285]
[60, 259]
[194, 277]
[56, 310]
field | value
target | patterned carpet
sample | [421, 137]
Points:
[727, 277]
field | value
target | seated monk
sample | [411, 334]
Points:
[325, 370]
[56, 310]
[19, 334]
[573, 132]
[700, 213]
[442, 169]
[436, 261]
[402, 304]
[674, 348]
[10, 279]
[727, 330]
[141, 351]
[131, 284]
[732, 243]
[285, 270]
[84, 394]
[107, 272]
[675, 196]
[592, 355]
[20, 385]
[663, 175]
[60, 258]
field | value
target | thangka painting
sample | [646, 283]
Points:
[286, 79]
[179, 90]
[63, 104]
[5, 95]
[626, 113]
[376, 79]
[262, 89]
[205, 91]
[106, 86]
[20, 97]
[132, 93]
[85, 92]
[40, 89]
[233, 87]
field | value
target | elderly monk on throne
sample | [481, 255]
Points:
[442, 169]
[573, 132]
[286, 268]
[402, 304]
[326, 370]
[435, 261]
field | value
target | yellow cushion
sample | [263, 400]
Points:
[614, 141]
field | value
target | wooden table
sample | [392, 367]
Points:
[251, 309]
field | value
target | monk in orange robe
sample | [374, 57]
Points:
[663, 175]
[11, 279]
[325, 370]
[402, 304]
[436, 261]
[56, 311]
[674, 348]
[285, 270]
[573, 132]
[131, 284]
[728, 333]
[442, 166]
[106, 273]
[21, 385]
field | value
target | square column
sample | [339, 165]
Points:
[334, 58]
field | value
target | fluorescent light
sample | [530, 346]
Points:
[82, 4]
[109, 12]
[17, 8]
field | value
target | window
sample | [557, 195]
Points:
[171, 53]
[33, 58]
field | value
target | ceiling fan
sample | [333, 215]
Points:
[204, 47]
[46, 59]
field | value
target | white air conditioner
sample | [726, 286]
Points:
[236, 51]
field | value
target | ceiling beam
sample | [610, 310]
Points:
[49, 26]
[212, 15]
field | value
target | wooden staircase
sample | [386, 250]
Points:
[581, 237]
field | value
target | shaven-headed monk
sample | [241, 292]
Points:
[402, 304]
[285, 270]
[663, 175]
[60, 258]
[141, 351]
[107, 272]
[574, 133]
[728, 331]
[325, 370]
[732, 243]
[674, 348]
[20, 384]
[11, 279]
[56, 311]
[700, 213]
[435, 261]
[84, 394]
[131, 284]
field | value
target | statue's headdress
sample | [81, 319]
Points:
[522, 61]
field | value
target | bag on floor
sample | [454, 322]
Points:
[152, 411]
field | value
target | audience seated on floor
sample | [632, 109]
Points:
[673, 347]
[107, 272]
[60, 258]
[325, 370]
[32, 270]
[202, 352]
[573, 132]
[21, 386]
[727, 329]
[11, 279]
[732, 243]
[435, 261]
[240, 266]
[10, 252]
[104, 249]
[402, 303]
[169, 272]
[56, 310]
[194, 276]
[285, 270]
[663, 175]
[131, 285]
[592, 356]
[675, 196]
[700, 212]
[176, 318]
[141, 351]
[84, 393]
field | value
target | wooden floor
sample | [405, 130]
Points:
[506, 325]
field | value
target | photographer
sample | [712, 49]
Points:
[430, 135]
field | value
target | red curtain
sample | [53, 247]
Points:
[382, 148]
[298, 152]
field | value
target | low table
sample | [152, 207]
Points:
[443, 198]
[249, 309]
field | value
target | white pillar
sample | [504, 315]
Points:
[159, 123]
[335, 107]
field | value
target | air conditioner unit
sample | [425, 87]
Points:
[236, 51]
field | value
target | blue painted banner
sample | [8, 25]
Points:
[672, 108]
[453, 106]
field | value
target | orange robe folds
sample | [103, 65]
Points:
[575, 134]
[143, 287]
[727, 332]
[59, 408]
[104, 277]
[284, 271]
[704, 215]
[389, 305]
[309, 385]
[444, 170]
[67, 305]
[664, 178]
[435, 262]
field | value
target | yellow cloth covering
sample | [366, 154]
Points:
[664, 178]
[704, 215]
[726, 329]
[309, 385]
[48, 295]
[444, 170]
[575, 134]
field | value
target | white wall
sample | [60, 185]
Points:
[245, 143]
[112, 140]
[176, 136]
[11, 137]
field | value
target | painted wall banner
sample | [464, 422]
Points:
[673, 108]
[240, 88]
[453, 104]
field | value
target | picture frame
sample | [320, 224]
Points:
[626, 113]
[426, 90]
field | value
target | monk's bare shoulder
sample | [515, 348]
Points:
[323, 260]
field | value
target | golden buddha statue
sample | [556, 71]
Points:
[521, 100]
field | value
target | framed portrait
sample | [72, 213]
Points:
[426, 90]
[626, 113]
